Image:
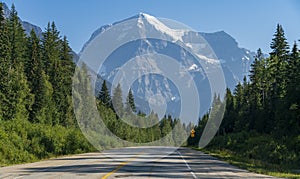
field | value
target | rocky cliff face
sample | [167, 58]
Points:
[235, 61]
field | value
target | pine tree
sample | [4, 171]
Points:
[292, 99]
[293, 72]
[58, 66]
[178, 133]
[83, 96]
[240, 94]
[117, 101]
[279, 44]
[130, 105]
[277, 69]
[278, 63]
[227, 125]
[258, 92]
[18, 99]
[2, 18]
[104, 95]
[166, 131]
[17, 38]
[43, 108]
[4, 61]
[51, 50]
[155, 129]
[68, 66]
[67, 71]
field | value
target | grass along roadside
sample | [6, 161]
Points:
[252, 165]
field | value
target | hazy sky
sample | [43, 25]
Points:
[252, 23]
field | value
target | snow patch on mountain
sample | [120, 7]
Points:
[179, 46]
[174, 33]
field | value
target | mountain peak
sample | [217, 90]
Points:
[141, 15]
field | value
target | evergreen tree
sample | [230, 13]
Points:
[59, 67]
[43, 108]
[166, 131]
[82, 96]
[104, 95]
[17, 38]
[2, 18]
[155, 130]
[178, 133]
[51, 58]
[227, 125]
[241, 107]
[130, 105]
[258, 92]
[117, 101]
[293, 73]
[292, 99]
[18, 99]
[51, 51]
[4, 61]
[67, 71]
[278, 63]
[279, 45]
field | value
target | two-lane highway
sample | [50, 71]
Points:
[133, 162]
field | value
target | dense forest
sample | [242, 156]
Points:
[262, 116]
[37, 118]
[36, 114]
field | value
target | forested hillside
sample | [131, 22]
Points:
[37, 118]
[262, 117]
[36, 114]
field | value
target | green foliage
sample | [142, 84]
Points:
[259, 147]
[130, 105]
[35, 95]
[22, 141]
[58, 65]
[104, 96]
[261, 119]
[279, 44]
[17, 38]
[117, 101]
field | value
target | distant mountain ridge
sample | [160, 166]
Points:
[235, 61]
[233, 58]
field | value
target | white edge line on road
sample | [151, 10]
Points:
[191, 171]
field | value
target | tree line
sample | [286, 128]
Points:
[123, 119]
[36, 113]
[262, 114]
[37, 118]
[35, 74]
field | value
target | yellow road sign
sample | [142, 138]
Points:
[193, 133]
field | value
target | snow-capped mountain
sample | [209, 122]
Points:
[235, 61]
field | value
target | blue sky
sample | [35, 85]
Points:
[252, 23]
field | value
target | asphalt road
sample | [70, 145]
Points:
[134, 162]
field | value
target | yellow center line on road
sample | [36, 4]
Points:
[121, 165]
[116, 169]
